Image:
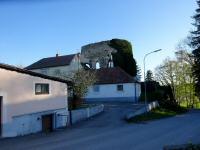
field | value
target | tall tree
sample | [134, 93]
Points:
[139, 73]
[177, 73]
[149, 75]
[124, 56]
[195, 42]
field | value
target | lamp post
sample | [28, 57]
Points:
[145, 88]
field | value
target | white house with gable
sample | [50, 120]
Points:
[31, 102]
[114, 84]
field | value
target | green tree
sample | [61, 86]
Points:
[195, 43]
[177, 73]
[124, 56]
[82, 80]
[149, 76]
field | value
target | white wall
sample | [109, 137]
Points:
[109, 92]
[19, 99]
[82, 114]
[68, 69]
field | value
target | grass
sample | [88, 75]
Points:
[184, 104]
[155, 114]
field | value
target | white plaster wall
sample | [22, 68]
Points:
[82, 114]
[68, 70]
[110, 91]
[18, 91]
[32, 123]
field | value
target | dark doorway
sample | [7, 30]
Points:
[1, 110]
[47, 123]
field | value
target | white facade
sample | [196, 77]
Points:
[110, 92]
[68, 70]
[22, 109]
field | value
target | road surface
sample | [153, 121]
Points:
[108, 131]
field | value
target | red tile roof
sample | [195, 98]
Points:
[52, 62]
[113, 76]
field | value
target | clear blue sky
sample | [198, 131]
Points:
[33, 29]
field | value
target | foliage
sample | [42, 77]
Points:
[149, 76]
[195, 43]
[82, 80]
[124, 56]
[152, 91]
[139, 74]
[177, 73]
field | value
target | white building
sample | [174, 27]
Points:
[31, 102]
[53, 66]
[114, 84]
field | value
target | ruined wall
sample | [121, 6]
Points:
[97, 52]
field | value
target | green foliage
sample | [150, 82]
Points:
[124, 56]
[177, 73]
[82, 80]
[195, 42]
[149, 75]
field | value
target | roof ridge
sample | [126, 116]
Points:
[52, 62]
[25, 71]
[58, 56]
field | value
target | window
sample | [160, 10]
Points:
[96, 88]
[97, 65]
[120, 87]
[41, 88]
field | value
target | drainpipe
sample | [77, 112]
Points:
[135, 93]
[70, 117]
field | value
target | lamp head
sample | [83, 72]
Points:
[157, 50]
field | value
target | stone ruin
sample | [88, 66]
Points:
[100, 52]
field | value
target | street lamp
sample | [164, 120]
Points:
[145, 88]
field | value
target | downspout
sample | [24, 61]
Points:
[135, 93]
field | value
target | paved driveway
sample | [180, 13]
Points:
[108, 131]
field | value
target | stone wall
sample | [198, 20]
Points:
[97, 52]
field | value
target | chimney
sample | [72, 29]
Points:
[57, 55]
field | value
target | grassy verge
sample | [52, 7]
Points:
[155, 114]
[196, 105]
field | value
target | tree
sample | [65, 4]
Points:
[177, 73]
[195, 43]
[124, 56]
[149, 76]
[139, 74]
[82, 80]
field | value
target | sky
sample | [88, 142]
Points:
[34, 29]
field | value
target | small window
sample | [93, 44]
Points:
[41, 88]
[120, 87]
[96, 88]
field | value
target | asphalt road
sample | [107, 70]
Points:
[108, 131]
